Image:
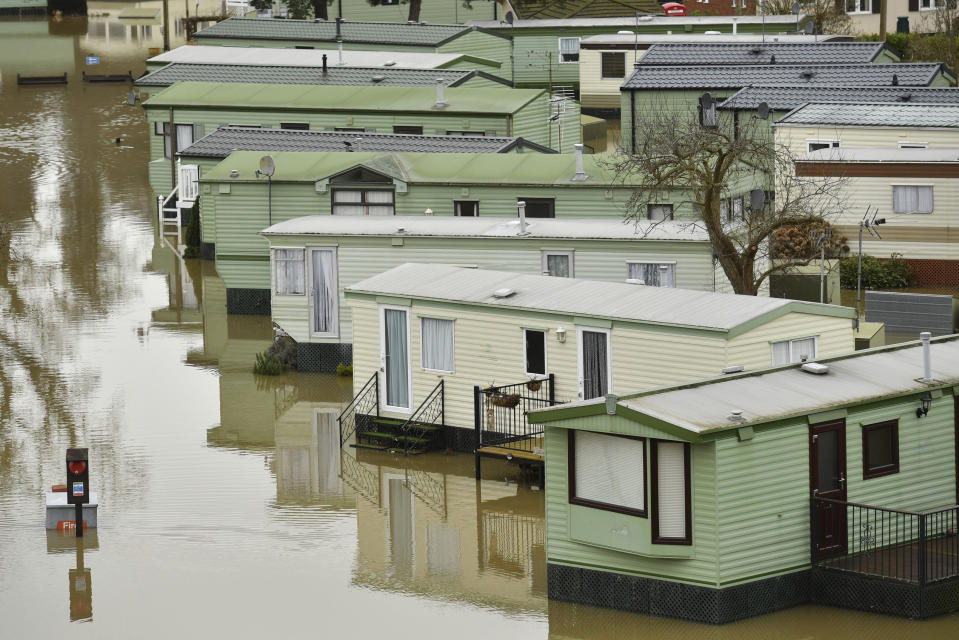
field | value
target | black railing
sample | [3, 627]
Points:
[364, 482]
[365, 403]
[500, 414]
[917, 547]
[430, 414]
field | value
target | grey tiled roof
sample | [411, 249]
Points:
[184, 72]
[429, 35]
[226, 140]
[784, 98]
[890, 114]
[726, 53]
[736, 77]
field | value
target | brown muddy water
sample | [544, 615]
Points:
[227, 508]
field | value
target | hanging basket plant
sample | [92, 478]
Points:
[534, 385]
[508, 400]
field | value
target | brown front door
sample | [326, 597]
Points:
[827, 478]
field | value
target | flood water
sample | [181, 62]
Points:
[227, 509]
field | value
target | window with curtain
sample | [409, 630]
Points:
[534, 344]
[738, 209]
[789, 351]
[608, 472]
[288, 266]
[669, 473]
[659, 211]
[363, 202]
[325, 291]
[595, 363]
[184, 136]
[396, 356]
[911, 198]
[651, 274]
[558, 264]
[725, 210]
[436, 337]
[613, 64]
[568, 50]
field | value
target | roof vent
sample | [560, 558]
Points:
[401, 230]
[625, 33]
[815, 368]
[505, 292]
[895, 80]
[755, 51]
[712, 33]
[234, 173]
[772, 59]
[389, 63]
[906, 97]
[736, 416]
[807, 75]
[736, 368]
[378, 78]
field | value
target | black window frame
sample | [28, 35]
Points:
[295, 126]
[607, 506]
[526, 342]
[465, 132]
[549, 203]
[687, 540]
[456, 208]
[418, 129]
[604, 56]
[879, 471]
[363, 189]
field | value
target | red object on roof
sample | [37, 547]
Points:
[674, 9]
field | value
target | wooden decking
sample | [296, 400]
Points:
[523, 449]
[901, 562]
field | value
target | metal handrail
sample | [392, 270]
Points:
[350, 409]
[511, 425]
[426, 406]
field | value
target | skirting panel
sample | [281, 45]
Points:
[675, 599]
[853, 591]
[208, 250]
[248, 302]
[322, 358]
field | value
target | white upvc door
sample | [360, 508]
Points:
[595, 358]
[395, 358]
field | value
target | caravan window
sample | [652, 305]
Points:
[362, 202]
[669, 477]
[534, 350]
[288, 267]
[438, 348]
[651, 274]
[880, 449]
[184, 136]
[568, 50]
[558, 264]
[788, 351]
[607, 472]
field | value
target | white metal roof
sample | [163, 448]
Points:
[789, 391]
[200, 54]
[449, 226]
[589, 298]
[697, 38]
[880, 154]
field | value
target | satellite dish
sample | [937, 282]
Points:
[763, 110]
[509, 17]
[809, 28]
[797, 8]
[757, 199]
[707, 101]
[267, 166]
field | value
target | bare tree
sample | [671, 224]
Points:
[828, 16]
[942, 27]
[414, 13]
[719, 174]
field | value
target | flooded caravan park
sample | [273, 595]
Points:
[228, 507]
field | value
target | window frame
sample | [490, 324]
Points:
[887, 470]
[422, 342]
[791, 341]
[570, 255]
[294, 126]
[549, 202]
[916, 186]
[363, 202]
[456, 208]
[659, 263]
[559, 49]
[602, 64]
[465, 133]
[687, 540]
[908, 144]
[831, 142]
[526, 372]
[649, 211]
[419, 128]
[579, 358]
[274, 262]
[309, 284]
[859, 10]
[162, 129]
[596, 504]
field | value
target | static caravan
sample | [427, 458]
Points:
[653, 89]
[210, 150]
[916, 190]
[195, 108]
[364, 36]
[313, 259]
[362, 184]
[832, 482]
[547, 50]
[606, 60]
[473, 349]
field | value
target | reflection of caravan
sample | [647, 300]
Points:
[307, 462]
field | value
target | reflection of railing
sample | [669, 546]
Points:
[500, 413]
[427, 417]
[364, 404]
[508, 541]
[427, 489]
[364, 482]
[904, 546]
[167, 209]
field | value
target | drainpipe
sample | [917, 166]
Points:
[632, 122]
[521, 207]
[172, 151]
[509, 124]
[324, 65]
[925, 336]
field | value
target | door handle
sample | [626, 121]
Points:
[842, 480]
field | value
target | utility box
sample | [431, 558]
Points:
[78, 476]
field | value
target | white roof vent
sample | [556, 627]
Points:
[736, 368]
[815, 368]
[378, 78]
[712, 33]
[389, 63]
[625, 33]
[505, 292]
[736, 416]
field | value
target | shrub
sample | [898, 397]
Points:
[267, 365]
[192, 238]
[278, 358]
[894, 273]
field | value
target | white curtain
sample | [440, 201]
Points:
[380, 203]
[184, 136]
[652, 274]
[289, 271]
[343, 203]
[671, 489]
[780, 353]
[325, 294]
[557, 264]
[659, 211]
[806, 347]
[401, 526]
[595, 361]
[442, 550]
[437, 344]
[397, 358]
[569, 49]
[609, 469]
[911, 199]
